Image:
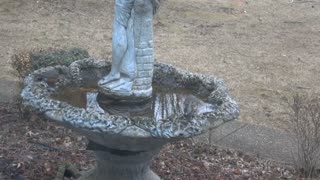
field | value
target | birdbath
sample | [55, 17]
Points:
[131, 107]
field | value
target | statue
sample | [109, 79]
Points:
[132, 50]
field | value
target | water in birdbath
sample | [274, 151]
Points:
[165, 102]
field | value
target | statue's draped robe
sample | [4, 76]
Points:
[137, 17]
[123, 10]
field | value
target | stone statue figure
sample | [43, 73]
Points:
[132, 50]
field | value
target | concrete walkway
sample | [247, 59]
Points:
[249, 138]
[8, 90]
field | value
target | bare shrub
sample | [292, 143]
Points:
[304, 125]
[21, 63]
[26, 61]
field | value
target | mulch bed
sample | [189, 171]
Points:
[35, 149]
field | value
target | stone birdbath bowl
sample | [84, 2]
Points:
[125, 136]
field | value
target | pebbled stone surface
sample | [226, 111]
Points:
[41, 84]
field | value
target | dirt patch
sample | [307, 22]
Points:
[34, 148]
[265, 50]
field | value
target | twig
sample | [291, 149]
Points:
[45, 146]
[236, 130]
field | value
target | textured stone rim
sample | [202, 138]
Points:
[36, 94]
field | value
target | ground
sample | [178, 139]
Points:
[35, 149]
[265, 50]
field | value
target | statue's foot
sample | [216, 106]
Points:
[125, 89]
[109, 78]
[121, 86]
[123, 82]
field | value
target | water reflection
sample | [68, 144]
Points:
[163, 104]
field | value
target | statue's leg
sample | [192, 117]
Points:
[128, 66]
[119, 48]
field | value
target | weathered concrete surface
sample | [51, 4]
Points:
[8, 90]
[250, 138]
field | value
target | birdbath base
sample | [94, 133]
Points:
[133, 96]
[115, 164]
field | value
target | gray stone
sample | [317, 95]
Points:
[115, 167]
[37, 95]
